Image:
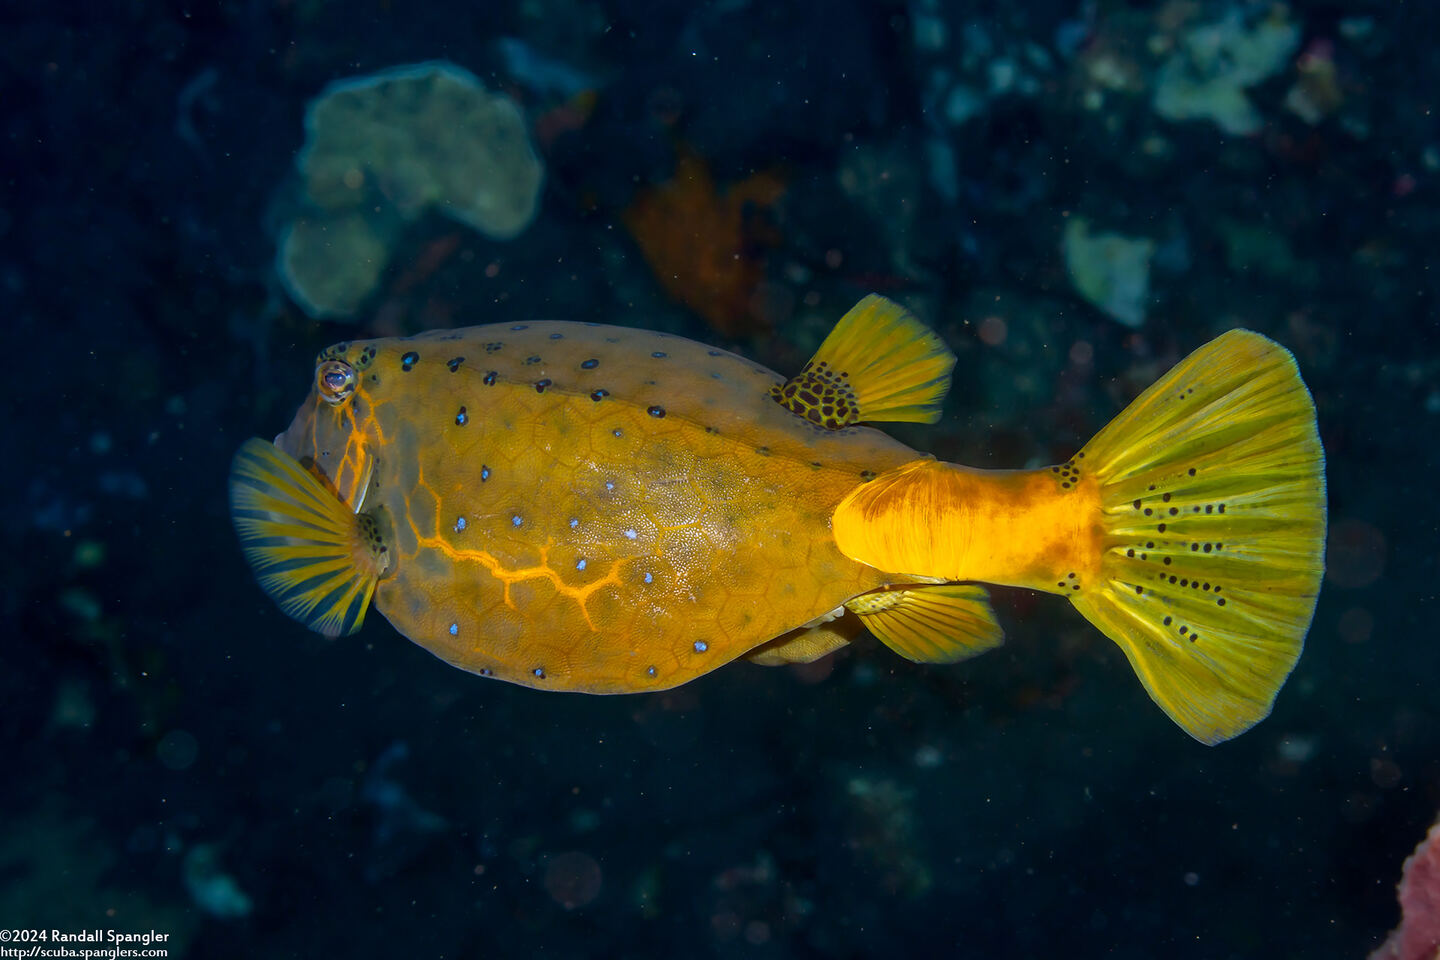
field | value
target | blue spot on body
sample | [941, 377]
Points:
[515, 521]
[574, 523]
[454, 629]
[649, 578]
[484, 473]
[609, 485]
[701, 646]
[459, 524]
[539, 672]
[630, 534]
[580, 564]
[650, 671]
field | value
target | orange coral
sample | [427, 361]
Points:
[704, 246]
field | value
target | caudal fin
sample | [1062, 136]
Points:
[1212, 492]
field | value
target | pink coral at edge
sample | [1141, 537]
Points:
[1418, 936]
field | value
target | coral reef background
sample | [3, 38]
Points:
[179, 756]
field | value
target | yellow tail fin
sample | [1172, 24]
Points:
[1212, 493]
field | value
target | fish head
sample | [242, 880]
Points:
[335, 433]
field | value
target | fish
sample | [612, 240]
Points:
[579, 507]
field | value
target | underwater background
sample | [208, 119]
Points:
[1074, 193]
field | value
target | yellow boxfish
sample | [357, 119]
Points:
[572, 506]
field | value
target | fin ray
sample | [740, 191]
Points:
[946, 623]
[878, 364]
[309, 551]
[1213, 512]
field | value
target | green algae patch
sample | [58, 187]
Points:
[383, 150]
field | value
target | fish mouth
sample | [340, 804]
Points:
[326, 457]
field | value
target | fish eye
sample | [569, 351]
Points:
[335, 379]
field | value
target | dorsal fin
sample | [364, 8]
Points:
[946, 623]
[879, 363]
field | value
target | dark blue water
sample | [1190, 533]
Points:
[181, 757]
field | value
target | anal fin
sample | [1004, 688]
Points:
[878, 364]
[940, 624]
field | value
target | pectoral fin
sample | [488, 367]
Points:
[312, 554]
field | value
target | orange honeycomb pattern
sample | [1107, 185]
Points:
[591, 508]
